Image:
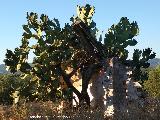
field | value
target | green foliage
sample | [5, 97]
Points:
[119, 37]
[54, 46]
[152, 85]
[12, 86]
[50, 37]
[85, 13]
[139, 62]
[5, 91]
[9, 84]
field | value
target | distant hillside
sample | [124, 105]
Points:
[153, 63]
[3, 69]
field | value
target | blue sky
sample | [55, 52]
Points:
[108, 12]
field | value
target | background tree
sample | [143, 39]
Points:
[10, 84]
[152, 85]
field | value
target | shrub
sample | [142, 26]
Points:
[152, 85]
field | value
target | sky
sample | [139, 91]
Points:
[107, 12]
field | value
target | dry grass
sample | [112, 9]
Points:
[50, 111]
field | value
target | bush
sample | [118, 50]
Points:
[6, 89]
[152, 85]
[8, 85]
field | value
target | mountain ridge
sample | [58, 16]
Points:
[153, 63]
